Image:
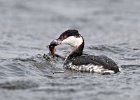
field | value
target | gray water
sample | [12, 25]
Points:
[109, 27]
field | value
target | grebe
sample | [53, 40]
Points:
[78, 61]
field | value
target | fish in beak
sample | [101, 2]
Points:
[52, 46]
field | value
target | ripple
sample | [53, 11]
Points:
[107, 48]
[55, 89]
[107, 93]
[130, 66]
[18, 84]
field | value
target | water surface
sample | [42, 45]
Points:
[109, 27]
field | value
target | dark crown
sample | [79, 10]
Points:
[70, 33]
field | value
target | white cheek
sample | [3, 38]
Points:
[68, 40]
[78, 41]
[73, 41]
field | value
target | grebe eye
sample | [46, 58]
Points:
[65, 37]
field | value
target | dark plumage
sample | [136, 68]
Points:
[102, 60]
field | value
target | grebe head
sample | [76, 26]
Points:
[70, 37]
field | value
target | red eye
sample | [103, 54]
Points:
[65, 37]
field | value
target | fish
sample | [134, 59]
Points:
[52, 50]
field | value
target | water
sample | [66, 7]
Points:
[110, 27]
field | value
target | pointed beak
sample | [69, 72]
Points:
[56, 42]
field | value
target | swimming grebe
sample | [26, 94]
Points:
[78, 61]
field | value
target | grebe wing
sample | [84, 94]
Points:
[102, 60]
